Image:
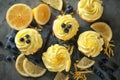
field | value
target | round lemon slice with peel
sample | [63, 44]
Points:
[19, 65]
[56, 4]
[85, 63]
[42, 14]
[19, 16]
[32, 69]
[104, 29]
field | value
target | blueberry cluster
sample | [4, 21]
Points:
[27, 37]
[7, 58]
[10, 44]
[66, 27]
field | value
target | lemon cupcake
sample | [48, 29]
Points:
[56, 58]
[90, 43]
[90, 10]
[28, 41]
[65, 27]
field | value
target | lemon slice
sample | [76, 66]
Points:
[56, 4]
[104, 29]
[61, 76]
[42, 14]
[19, 16]
[85, 63]
[19, 65]
[32, 69]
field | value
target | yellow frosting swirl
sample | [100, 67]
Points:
[35, 41]
[90, 43]
[56, 58]
[59, 30]
[90, 10]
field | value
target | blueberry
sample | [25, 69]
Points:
[93, 68]
[14, 57]
[7, 47]
[11, 38]
[63, 25]
[28, 41]
[69, 26]
[8, 58]
[69, 9]
[27, 36]
[66, 30]
[15, 31]
[21, 39]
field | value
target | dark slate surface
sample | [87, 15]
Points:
[111, 15]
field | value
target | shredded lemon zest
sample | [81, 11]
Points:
[108, 48]
[80, 74]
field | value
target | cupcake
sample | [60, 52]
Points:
[28, 41]
[56, 58]
[90, 43]
[65, 27]
[90, 10]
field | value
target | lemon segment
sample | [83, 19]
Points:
[19, 65]
[32, 69]
[85, 63]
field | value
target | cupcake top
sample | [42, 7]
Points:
[90, 10]
[57, 58]
[90, 43]
[28, 41]
[65, 27]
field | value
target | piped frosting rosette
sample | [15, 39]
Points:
[28, 41]
[90, 43]
[90, 10]
[57, 58]
[65, 27]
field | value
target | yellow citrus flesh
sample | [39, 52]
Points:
[42, 14]
[19, 16]
[61, 76]
[85, 63]
[19, 65]
[32, 69]
[56, 4]
[104, 29]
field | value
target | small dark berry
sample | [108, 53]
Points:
[63, 25]
[69, 26]
[8, 58]
[21, 39]
[104, 59]
[15, 31]
[27, 36]
[66, 30]
[11, 38]
[69, 9]
[7, 47]
[27, 41]
[14, 57]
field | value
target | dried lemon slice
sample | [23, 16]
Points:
[56, 4]
[19, 65]
[85, 63]
[19, 16]
[32, 69]
[103, 28]
[61, 76]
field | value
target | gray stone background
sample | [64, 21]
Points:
[111, 15]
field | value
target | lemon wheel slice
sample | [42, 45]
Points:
[19, 65]
[19, 16]
[85, 63]
[104, 29]
[42, 14]
[56, 4]
[32, 69]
